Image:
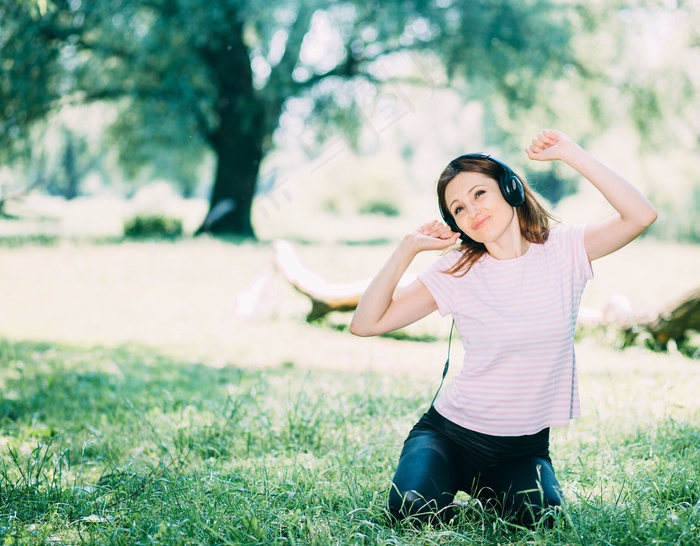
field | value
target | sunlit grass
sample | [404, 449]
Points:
[180, 297]
[129, 446]
[127, 443]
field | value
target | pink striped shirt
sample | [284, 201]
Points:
[517, 319]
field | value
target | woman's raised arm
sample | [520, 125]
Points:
[634, 211]
[383, 310]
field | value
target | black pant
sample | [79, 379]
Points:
[512, 474]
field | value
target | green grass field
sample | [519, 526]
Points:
[137, 408]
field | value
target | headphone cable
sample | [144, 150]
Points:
[447, 362]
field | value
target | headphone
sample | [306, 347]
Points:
[510, 185]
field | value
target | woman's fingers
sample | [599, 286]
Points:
[434, 236]
[427, 228]
[544, 145]
[553, 135]
[445, 232]
[436, 229]
[542, 142]
[548, 135]
[536, 146]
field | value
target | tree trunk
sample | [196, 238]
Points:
[72, 182]
[239, 153]
[238, 139]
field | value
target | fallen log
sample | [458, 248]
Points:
[672, 322]
[325, 297]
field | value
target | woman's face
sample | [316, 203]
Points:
[478, 207]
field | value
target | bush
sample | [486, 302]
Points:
[379, 206]
[152, 226]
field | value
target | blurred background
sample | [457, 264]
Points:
[184, 184]
[220, 126]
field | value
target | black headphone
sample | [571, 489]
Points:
[510, 185]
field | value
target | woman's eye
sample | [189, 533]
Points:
[458, 210]
[478, 194]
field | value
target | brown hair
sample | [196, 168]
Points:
[532, 216]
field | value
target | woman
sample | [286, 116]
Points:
[513, 288]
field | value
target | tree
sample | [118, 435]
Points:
[191, 76]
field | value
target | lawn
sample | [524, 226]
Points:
[138, 409]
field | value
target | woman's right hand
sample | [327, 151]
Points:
[382, 308]
[432, 236]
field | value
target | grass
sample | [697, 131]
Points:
[127, 446]
[137, 408]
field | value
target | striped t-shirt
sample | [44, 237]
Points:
[517, 319]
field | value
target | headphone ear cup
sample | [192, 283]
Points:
[512, 188]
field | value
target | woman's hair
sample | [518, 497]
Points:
[532, 216]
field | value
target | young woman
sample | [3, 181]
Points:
[513, 287]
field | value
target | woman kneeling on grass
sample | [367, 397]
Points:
[513, 287]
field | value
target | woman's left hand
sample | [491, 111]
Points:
[634, 211]
[549, 145]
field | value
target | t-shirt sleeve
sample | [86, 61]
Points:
[440, 284]
[572, 240]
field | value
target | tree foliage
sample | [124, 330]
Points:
[189, 76]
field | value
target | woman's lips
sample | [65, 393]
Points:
[480, 223]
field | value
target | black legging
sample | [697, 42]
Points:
[513, 475]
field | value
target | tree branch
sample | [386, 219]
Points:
[281, 80]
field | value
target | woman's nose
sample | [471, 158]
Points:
[472, 210]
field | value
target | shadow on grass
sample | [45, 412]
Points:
[400, 335]
[127, 445]
[136, 445]
[70, 386]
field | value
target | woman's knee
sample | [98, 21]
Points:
[537, 505]
[411, 505]
[425, 481]
[526, 490]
